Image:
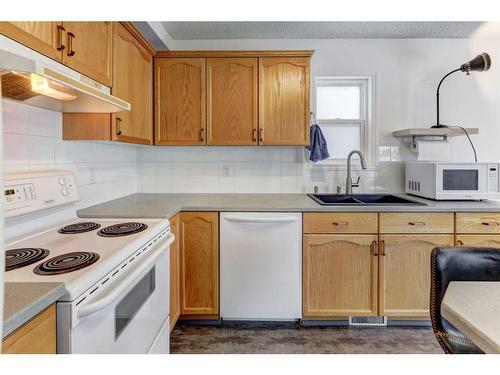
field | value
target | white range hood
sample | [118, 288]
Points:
[34, 79]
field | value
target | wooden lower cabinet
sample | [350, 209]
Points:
[339, 275]
[477, 240]
[199, 244]
[175, 273]
[404, 273]
[37, 336]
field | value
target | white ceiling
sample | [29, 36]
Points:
[318, 30]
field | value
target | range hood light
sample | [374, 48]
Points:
[43, 86]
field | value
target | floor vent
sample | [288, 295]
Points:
[367, 320]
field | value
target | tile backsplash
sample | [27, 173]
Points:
[252, 170]
[33, 141]
[106, 170]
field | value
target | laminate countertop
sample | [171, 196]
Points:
[23, 301]
[474, 307]
[165, 205]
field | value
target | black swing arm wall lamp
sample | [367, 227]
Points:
[480, 63]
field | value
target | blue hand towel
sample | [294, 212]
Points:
[318, 146]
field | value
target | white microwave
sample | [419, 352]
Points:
[452, 181]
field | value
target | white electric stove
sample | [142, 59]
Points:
[115, 271]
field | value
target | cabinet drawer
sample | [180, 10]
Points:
[416, 223]
[345, 222]
[478, 222]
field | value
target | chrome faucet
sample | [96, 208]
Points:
[348, 182]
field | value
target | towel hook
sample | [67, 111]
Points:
[311, 114]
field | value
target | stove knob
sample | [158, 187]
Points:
[64, 191]
[62, 181]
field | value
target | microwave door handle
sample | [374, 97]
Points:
[262, 219]
[96, 305]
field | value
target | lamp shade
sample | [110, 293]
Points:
[480, 63]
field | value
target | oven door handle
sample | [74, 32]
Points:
[100, 303]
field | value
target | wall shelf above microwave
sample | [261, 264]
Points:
[430, 133]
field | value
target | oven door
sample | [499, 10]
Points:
[461, 181]
[130, 314]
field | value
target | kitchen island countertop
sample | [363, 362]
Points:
[23, 301]
[474, 307]
[165, 205]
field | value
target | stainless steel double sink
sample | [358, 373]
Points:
[363, 200]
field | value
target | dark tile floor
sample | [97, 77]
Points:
[339, 340]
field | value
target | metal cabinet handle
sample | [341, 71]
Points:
[254, 135]
[417, 223]
[71, 36]
[60, 31]
[375, 248]
[261, 135]
[118, 123]
[382, 247]
[340, 223]
[202, 135]
[494, 223]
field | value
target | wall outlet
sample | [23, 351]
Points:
[226, 171]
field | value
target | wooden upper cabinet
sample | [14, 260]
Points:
[44, 37]
[132, 82]
[339, 275]
[404, 284]
[89, 49]
[232, 101]
[199, 236]
[180, 101]
[284, 100]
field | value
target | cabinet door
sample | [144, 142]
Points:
[481, 240]
[180, 101]
[284, 101]
[133, 82]
[175, 273]
[405, 276]
[339, 275]
[199, 234]
[232, 101]
[44, 37]
[89, 49]
[37, 336]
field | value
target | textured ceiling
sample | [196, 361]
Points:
[318, 30]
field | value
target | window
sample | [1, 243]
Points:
[343, 112]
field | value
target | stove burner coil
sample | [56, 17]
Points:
[66, 263]
[79, 228]
[123, 229]
[17, 258]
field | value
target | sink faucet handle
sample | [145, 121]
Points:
[356, 184]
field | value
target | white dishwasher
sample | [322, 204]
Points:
[260, 266]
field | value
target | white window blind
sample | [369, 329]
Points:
[343, 111]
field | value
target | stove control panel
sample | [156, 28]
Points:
[32, 192]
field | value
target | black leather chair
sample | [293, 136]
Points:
[458, 264]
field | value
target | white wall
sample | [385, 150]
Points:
[33, 141]
[406, 73]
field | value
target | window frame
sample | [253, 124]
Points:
[366, 122]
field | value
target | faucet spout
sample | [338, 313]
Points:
[348, 182]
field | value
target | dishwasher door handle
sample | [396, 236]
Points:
[260, 219]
